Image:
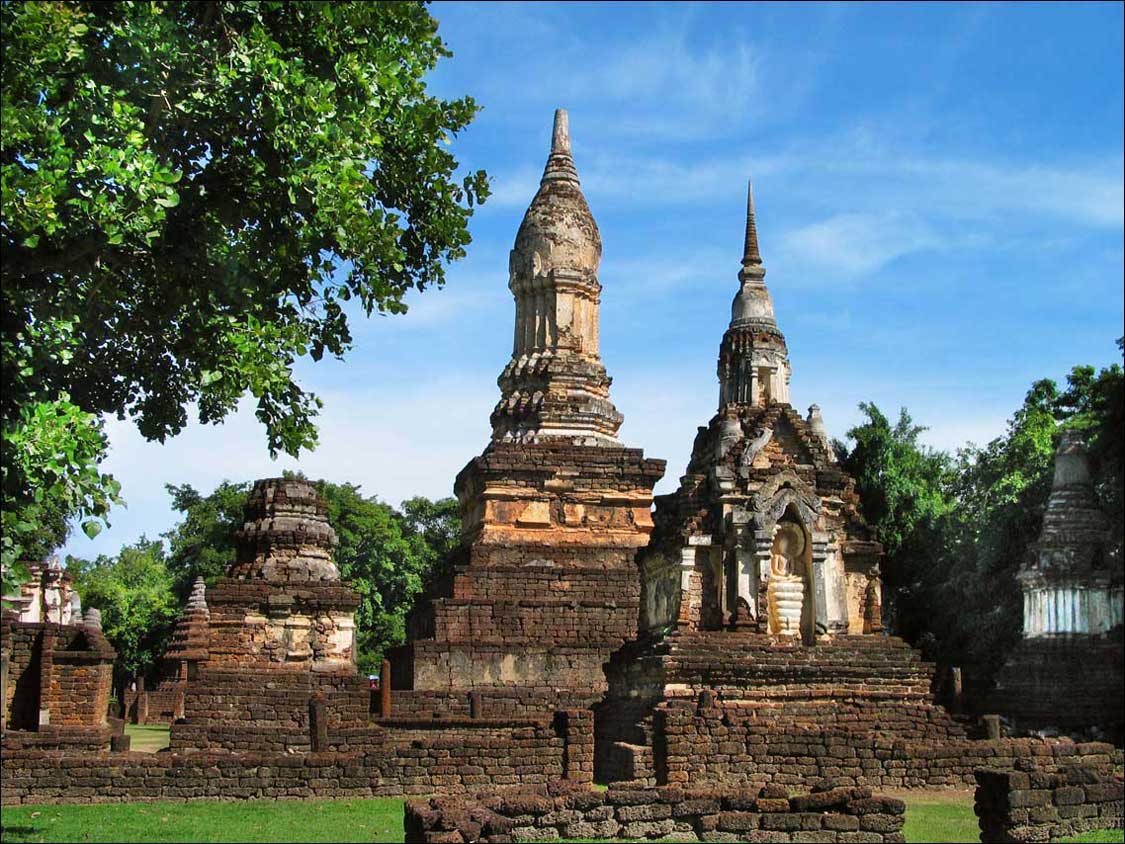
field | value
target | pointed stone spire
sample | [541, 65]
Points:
[750, 254]
[93, 618]
[560, 165]
[816, 422]
[753, 359]
[198, 598]
[191, 637]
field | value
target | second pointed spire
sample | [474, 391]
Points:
[750, 254]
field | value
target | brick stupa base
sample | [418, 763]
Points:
[846, 692]
[544, 587]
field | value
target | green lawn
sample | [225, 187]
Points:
[247, 820]
[147, 739]
[930, 817]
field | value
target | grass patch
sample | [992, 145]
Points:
[1106, 835]
[248, 820]
[937, 817]
[940, 817]
[148, 738]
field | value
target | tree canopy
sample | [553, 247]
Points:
[192, 195]
[133, 590]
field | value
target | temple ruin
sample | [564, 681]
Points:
[46, 595]
[55, 682]
[544, 586]
[730, 647]
[760, 588]
[1067, 672]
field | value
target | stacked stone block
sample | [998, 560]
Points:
[1037, 803]
[454, 756]
[629, 811]
[696, 686]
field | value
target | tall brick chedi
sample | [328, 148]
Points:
[543, 587]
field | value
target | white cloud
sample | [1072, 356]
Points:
[854, 244]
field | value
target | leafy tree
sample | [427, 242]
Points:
[192, 195]
[438, 523]
[903, 490]
[202, 545]
[133, 590]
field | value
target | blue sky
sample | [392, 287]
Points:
[940, 206]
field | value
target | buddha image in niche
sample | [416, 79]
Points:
[788, 545]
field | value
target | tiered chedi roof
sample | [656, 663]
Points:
[555, 385]
[1072, 579]
[753, 358]
[286, 536]
[191, 637]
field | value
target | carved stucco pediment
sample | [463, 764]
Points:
[775, 496]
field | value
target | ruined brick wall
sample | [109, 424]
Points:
[22, 643]
[267, 709]
[721, 744]
[162, 705]
[628, 812]
[59, 677]
[1044, 803]
[452, 757]
[869, 687]
[1068, 682]
[78, 690]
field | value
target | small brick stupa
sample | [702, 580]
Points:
[544, 586]
[281, 627]
[760, 589]
[1067, 671]
[189, 647]
[191, 638]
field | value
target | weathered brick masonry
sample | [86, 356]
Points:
[57, 688]
[448, 757]
[1034, 802]
[831, 813]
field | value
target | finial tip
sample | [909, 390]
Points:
[560, 139]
